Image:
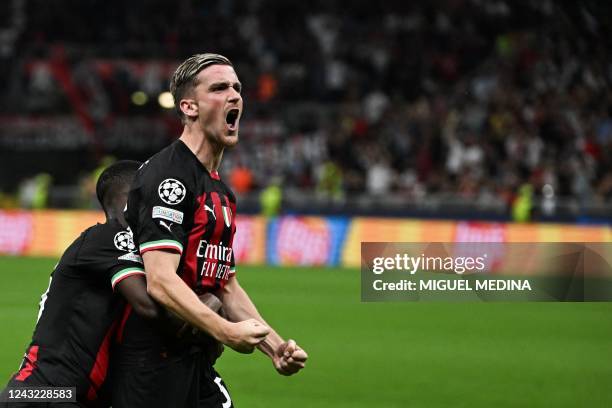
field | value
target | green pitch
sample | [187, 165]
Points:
[384, 355]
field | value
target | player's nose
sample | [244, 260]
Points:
[234, 96]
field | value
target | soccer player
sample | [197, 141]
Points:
[79, 312]
[183, 218]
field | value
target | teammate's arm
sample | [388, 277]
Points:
[288, 358]
[134, 290]
[166, 287]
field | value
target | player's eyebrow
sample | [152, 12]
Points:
[218, 86]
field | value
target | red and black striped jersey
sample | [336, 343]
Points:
[79, 311]
[176, 205]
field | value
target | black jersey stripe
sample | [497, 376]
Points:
[228, 233]
[190, 272]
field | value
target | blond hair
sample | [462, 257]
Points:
[185, 79]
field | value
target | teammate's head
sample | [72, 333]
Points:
[114, 184]
[206, 93]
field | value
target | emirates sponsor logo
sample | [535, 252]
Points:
[218, 252]
[217, 260]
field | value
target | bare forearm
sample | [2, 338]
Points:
[172, 293]
[164, 285]
[287, 357]
[134, 290]
[167, 288]
[238, 306]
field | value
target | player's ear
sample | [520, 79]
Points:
[189, 107]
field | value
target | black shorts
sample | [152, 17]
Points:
[181, 380]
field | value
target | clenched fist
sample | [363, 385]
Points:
[244, 336]
[289, 358]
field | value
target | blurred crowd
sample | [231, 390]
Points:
[469, 98]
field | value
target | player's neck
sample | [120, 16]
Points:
[207, 153]
[116, 214]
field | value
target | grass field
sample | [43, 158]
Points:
[384, 355]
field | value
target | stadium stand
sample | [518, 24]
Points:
[439, 108]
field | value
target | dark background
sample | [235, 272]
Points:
[427, 108]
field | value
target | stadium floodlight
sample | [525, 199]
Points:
[139, 98]
[166, 100]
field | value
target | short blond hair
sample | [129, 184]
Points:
[185, 79]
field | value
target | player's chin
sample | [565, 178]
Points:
[230, 138]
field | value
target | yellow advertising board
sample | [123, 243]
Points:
[402, 230]
[334, 241]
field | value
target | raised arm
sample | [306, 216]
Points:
[288, 358]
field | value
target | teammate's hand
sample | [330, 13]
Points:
[211, 301]
[245, 335]
[289, 358]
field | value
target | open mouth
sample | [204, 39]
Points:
[232, 118]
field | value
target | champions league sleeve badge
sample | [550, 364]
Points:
[171, 191]
[124, 241]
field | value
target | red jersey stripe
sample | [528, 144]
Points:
[232, 208]
[97, 375]
[30, 364]
[219, 225]
[215, 239]
[230, 244]
[126, 314]
[200, 219]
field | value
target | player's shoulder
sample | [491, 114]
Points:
[108, 229]
[110, 235]
[173, 160]
[99, 243]
[172, 167]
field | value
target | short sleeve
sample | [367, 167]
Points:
[159, 211]
[110, 253]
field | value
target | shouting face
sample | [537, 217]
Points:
[217, 103]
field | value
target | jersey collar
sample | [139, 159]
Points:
[182, 147]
